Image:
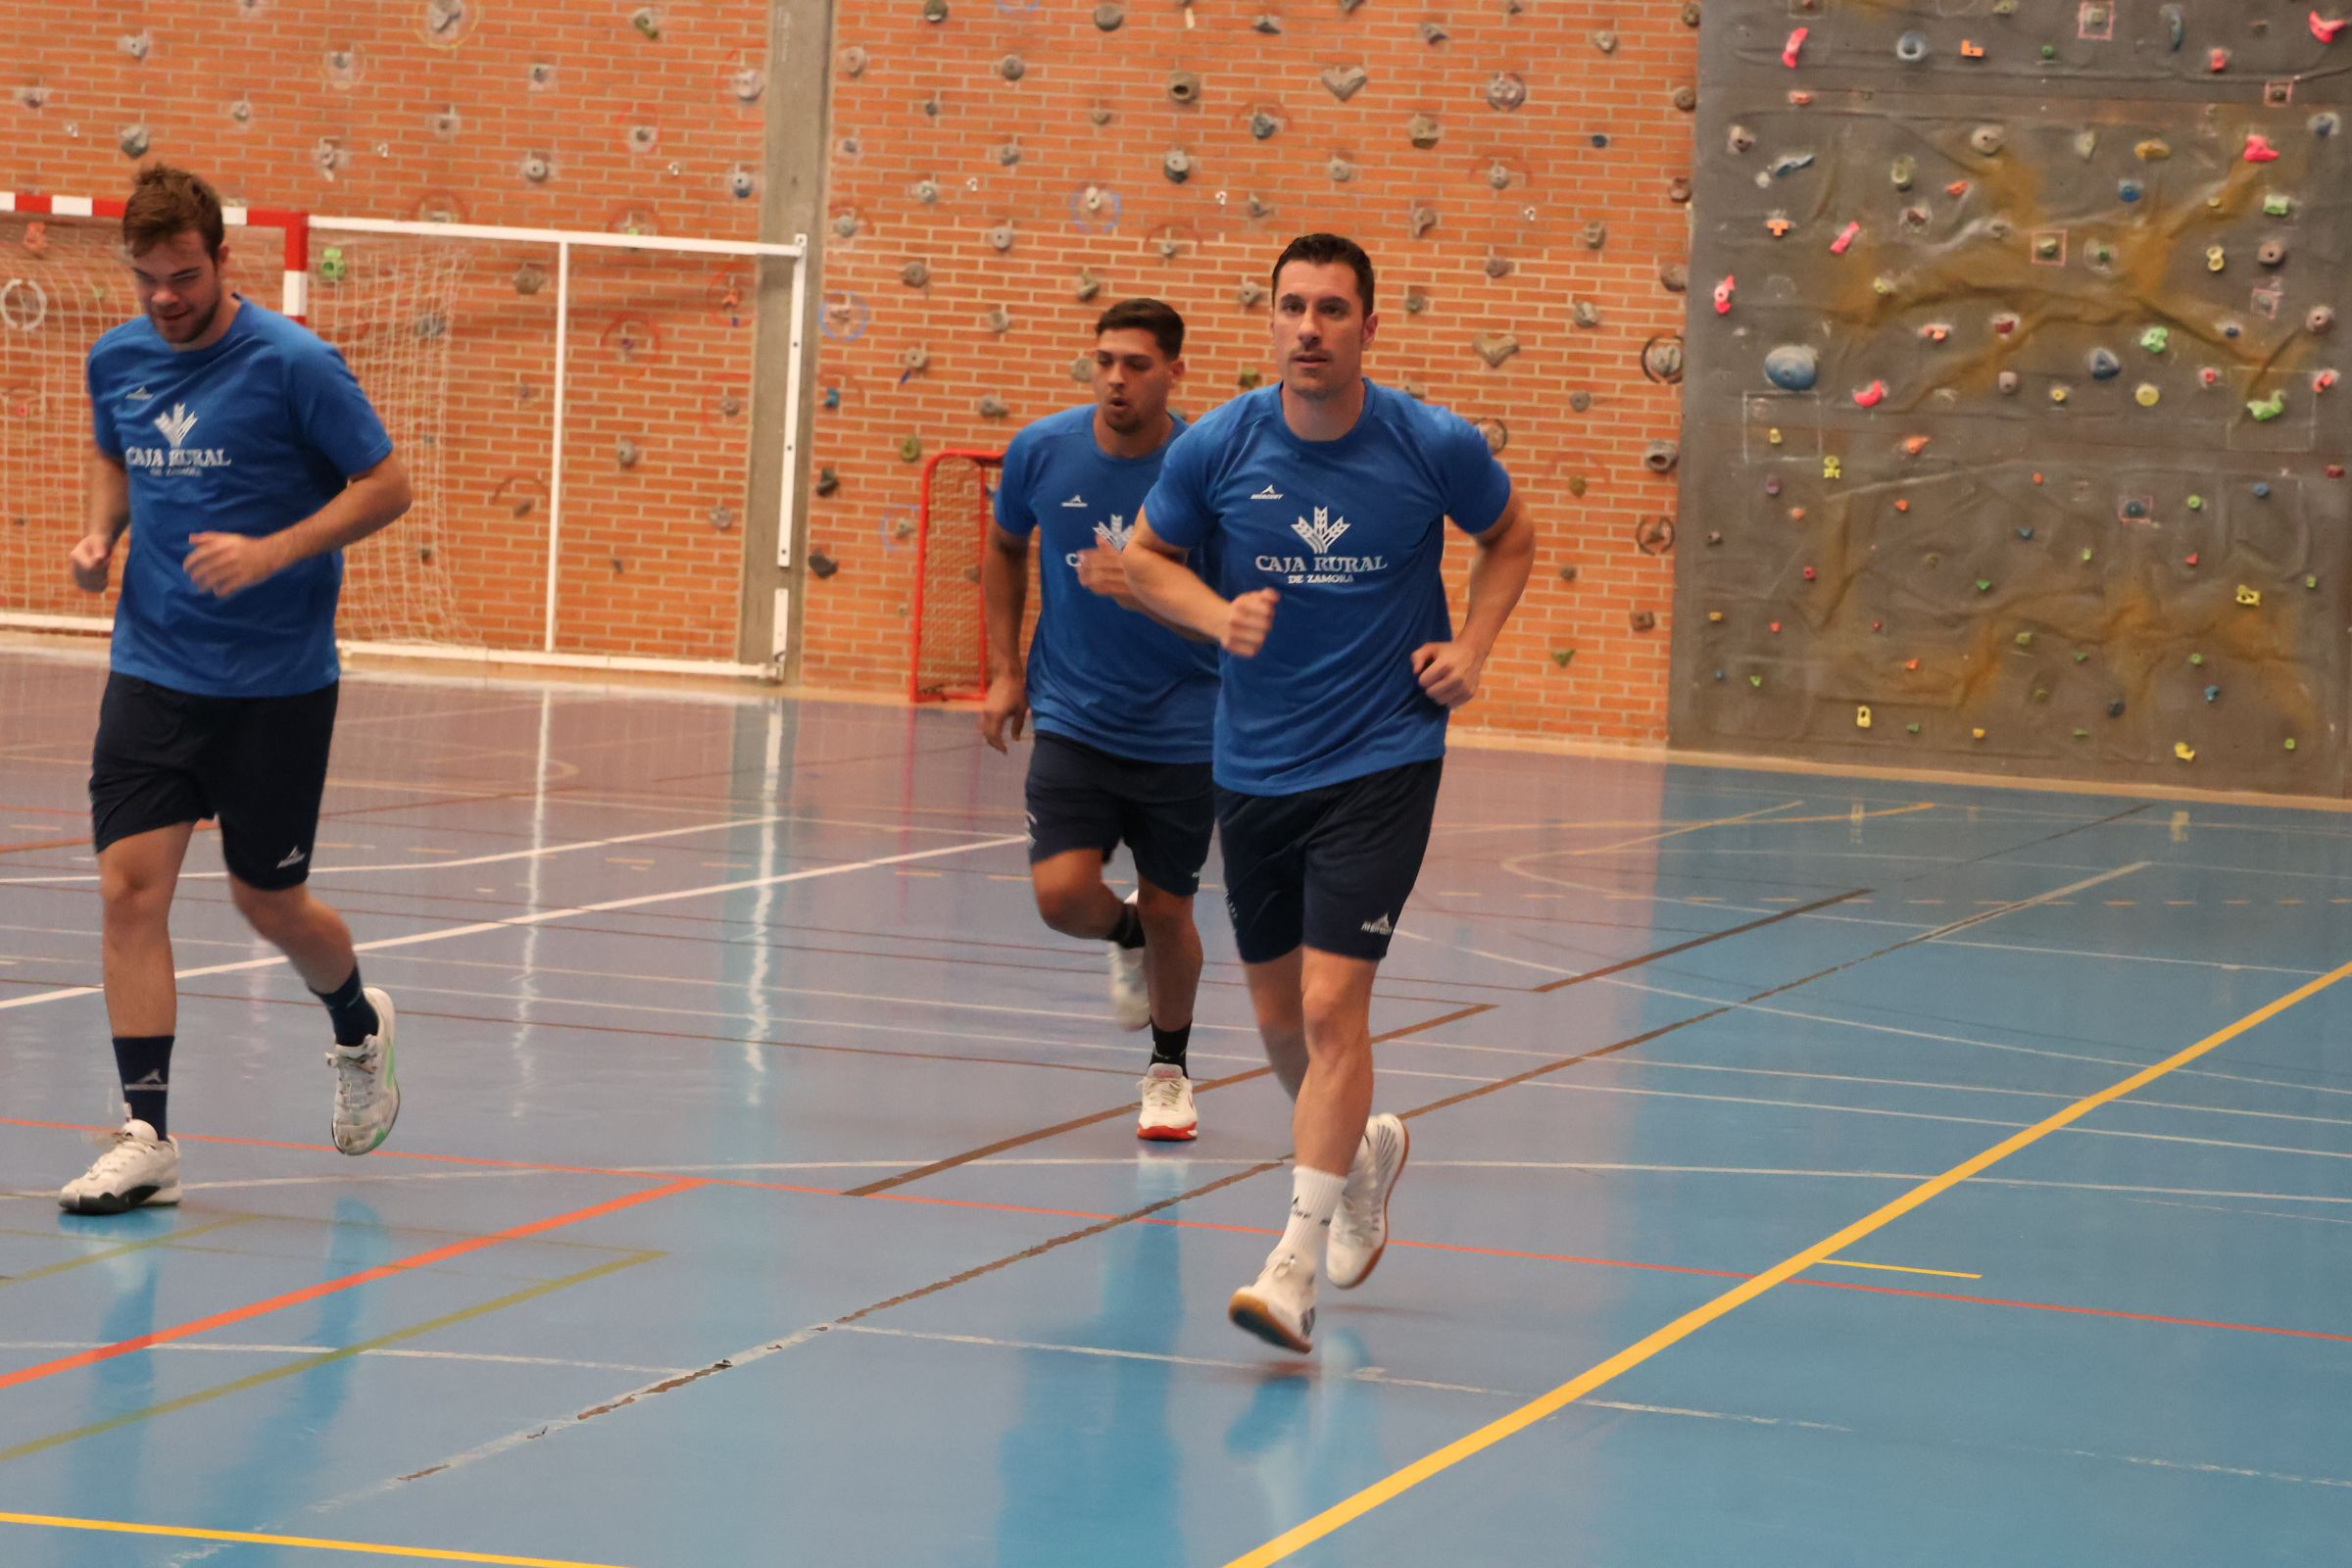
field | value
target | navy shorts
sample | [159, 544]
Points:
[1084, 799]
[258, 764]
[1329, 867]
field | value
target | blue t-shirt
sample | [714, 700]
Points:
[1351, 534]
[1099, 674]
[251, 435]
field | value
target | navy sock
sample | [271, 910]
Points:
[1129, 932]
[352, 1013]
[1168, 1045]
[144, 1064]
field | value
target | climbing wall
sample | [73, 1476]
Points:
[612, 115]
[1002, 171]
[2018, 443]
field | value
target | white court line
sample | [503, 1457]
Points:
[329, 1349]
[1924, 1115]
[505, 856]
[1964, 1040]
[1317, 1369]
[1636, 1062]
[543, 917]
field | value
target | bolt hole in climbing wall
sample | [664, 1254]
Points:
[1000, 172]
[2015, 379]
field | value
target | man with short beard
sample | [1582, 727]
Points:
[242, 456]
[1327, 496]
[1123, 705]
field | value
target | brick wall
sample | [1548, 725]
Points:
[918, 102]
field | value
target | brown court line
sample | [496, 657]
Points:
[1624, 964]
[1043, 1133]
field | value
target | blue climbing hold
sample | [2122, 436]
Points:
[1793, 368]
[2131, 190]
[2262, 491]
[2104, 366]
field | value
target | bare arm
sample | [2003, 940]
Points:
[1174, 596]
[1449, 671]
[1506, 554]
[1004, 596]
[221, 564]
[106, 514]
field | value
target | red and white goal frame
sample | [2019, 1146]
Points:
[295, 226]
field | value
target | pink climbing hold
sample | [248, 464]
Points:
[1811, 574]
[2258, 149]
[2210, 376]
[1871, 396]
[1723, 295]
[1845, 240]
[2328, 31]
[2325, 382]
[1796, 43]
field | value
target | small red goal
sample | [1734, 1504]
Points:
[951, 632]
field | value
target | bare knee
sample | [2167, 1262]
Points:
[135, 900]
[1166, 916]
[1061, 903]
[274, 912]
[1333, 1013]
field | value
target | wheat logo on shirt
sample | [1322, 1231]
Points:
[1320, 535]
[1115, 533]
[180, 458]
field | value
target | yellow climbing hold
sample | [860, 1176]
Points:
[2149, 395]
[1832, 469]
[2184, 751]
[2249, 597]
[1978, 733]
[1776, 436]
[1862, 717]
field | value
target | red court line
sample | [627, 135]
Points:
[312, 1292]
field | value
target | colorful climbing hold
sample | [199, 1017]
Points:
[2184, 751]
[2251, 598]
[1794, 47]
[2258, 149]
[1845, 239]
[1871, 396]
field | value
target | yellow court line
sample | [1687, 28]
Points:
[1897, 1268]
[1689, 1323]
[247, 1539]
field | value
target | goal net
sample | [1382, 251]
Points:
[573, 410]
[950, 633]
[64, 284]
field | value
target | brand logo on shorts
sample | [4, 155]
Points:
[1322, 533]
[1380, 927]
[177, 424]
[294, 856]
[1115, 533]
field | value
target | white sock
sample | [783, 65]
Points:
[1314, 1198]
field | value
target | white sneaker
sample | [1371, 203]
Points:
[137, 1168]
[1167, 1116]
[1359, 1231]
[1130, 995]
[1280, 1308]
[367, 1090]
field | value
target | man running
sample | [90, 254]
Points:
[242, 456]
[1326, 495]
[1123, 705]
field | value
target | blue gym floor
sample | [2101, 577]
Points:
[766, 1193]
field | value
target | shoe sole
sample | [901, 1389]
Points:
[1404, 1157]
[1252, 1314]
[124, 1204]
[1168, 1135]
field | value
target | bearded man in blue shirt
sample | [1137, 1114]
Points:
[240, 453]
[1123, 705]
[1321, 503]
